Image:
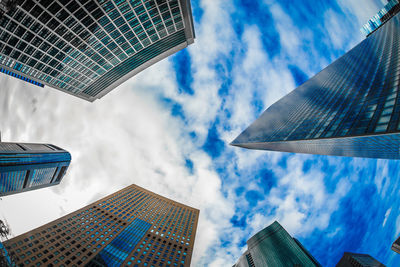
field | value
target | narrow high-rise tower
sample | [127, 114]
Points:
[273, 246]
[26, 167]
[132, 227]
[360, 260]
[88, 48]
[350, 108]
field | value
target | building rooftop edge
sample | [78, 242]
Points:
[163, 197]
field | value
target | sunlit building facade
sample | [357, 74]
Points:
[132, 227]
[359, 260]
[273, 246]
[87, 48]
[26, 167]
[350, 108]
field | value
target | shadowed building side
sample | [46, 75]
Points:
[359, 260]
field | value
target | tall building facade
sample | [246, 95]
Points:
[350, 108]
[87, 48]
[7, 5]
[132, 227]
[396, 245]
[359, 260]
[273, 246]
[26, 167]
[389, 10]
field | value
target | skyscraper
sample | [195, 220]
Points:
[88, 48]
[350, 108]
[7, 5]
[361, 260]
[26, 167]
[396, 245]
[273, 246]
[132, 227]
[389, 10]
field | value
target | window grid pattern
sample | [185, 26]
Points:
[12, 181]
[68, 241]
[357, 95]
[71, 44]
[115, 253]
[273, 246]
[25, 166]
[153, 251]
[10, 147]
[134, 62]
[42, 176]
[102, 232]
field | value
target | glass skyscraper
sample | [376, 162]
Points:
[359, 260]
[350, 108]
[88, 47]
[26, 167]
[382, 16]
[273, 246]
[132, 227]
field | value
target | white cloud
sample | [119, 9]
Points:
[387, 214]
[352, 8]
[297, 44]
[214, 40]
[300, 201]
[334, 233]
[334, 25]
[382, 176]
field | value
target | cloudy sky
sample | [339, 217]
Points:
[168, 129]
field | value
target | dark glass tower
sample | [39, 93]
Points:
[360, 260]
[26, 167]
[88, 47]
[396, 245]
[350, 108]
[132, 227]
[273, 246]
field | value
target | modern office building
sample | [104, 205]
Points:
[132, 227]
[396, 245]
[26, 167]
[359, 260]
[273, 246]
[388, 11]
[88, 48]
[6, 260]
[350, 108]
[7, 5]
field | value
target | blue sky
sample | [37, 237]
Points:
[168, 129]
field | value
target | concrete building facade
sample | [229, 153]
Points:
[132, 227]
